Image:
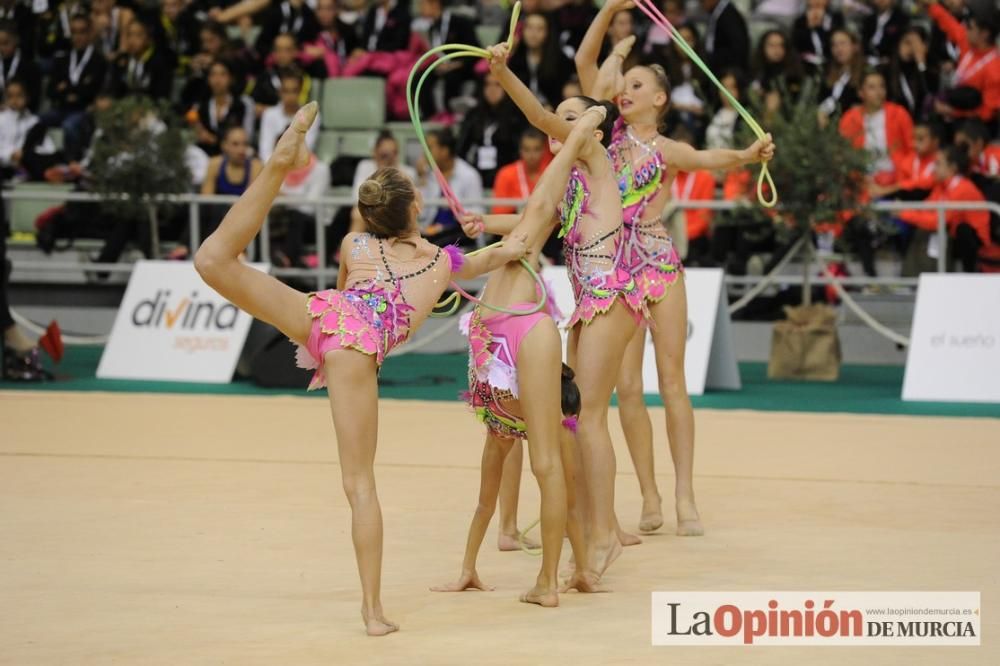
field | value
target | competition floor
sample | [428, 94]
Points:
[192, 529]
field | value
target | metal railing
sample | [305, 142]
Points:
[323, 272]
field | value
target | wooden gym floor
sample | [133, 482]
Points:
[181, 530]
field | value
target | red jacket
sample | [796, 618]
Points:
[918, 172]
[695, 186]
[512, 182]
[956, 189]
[989, 162]
[979, 69]
[898, 131]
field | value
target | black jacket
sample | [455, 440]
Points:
[885, 47]
[66, 95]
[281, 17]
[731, 46]
[21, 67]
[152, 76]
[395, 34]
[802, 39]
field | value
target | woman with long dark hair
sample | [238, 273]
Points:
[538, 62]
[489, 134]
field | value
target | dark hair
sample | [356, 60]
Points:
[11, 29]
[146, 27]
[293, 73]
[385, 135]
[935, 128]
[870, 73]
[532, 133]
[228, 129]
[290, 35]
[224, 64]
[958, 156]
[987, 20]
[445, 139]
[80, 16]
[570, 392]
[19, 82]
[216, 29]
[607, 127]
[384, 201]
[975, 129]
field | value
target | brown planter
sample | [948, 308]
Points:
[806, 345]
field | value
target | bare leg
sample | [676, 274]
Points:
[582, 578]
[510, 490]
[217, 260]
[539, 370]
[494, 453]
[601, 348]
[669, 339]
[355, 418]
[639, 431]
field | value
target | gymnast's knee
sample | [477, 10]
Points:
[673, 385]
[359, 488]
[629, 390]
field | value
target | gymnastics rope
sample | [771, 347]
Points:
[453, 51]
[650, 9]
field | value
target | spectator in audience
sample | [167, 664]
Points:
[527, 7]
[22, 16]
[518, 179]
[310, 182]
[917, 169]
[286, 17]
[969, 229]
[277, 118]
[691, 226]
[385, 154]
[883, 128]
[688, 98]
[386, 26]
[335, 42]
[267, 84]
[21, 360]
[572, 18]
[215, 45]
[447, 80]
[727, 41]
[538, 62]
[487, 138]
[221, 109]
[776, 67]
[15, 63]
[142, 69]
[722, 129]
[657, 39]
[912, 82]
[230, 172]
[110, 23]
[976, 89]
[16, 121]
[812, 31]
[176, 32]
[984, 159]
[572, 88]
[442, 227]
[76, 78]
[843, 74]
[53, 27]
[944, 53]
[882, 30]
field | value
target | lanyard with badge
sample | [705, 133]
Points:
[76, 66]
[487, 156]
[14, 63]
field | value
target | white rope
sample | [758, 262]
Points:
[72, 340]
[768, 279]
[872, 323]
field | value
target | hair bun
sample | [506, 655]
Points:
[371, 193]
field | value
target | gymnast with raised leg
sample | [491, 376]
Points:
[608, 304]
[646, 163]
[389, 281]
[515, 388]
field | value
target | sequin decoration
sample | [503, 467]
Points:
[574, 204]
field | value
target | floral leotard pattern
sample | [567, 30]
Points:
[371, 316]
[648, 253]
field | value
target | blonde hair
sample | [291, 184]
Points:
[384, 202]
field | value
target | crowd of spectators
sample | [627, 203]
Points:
[915, 83]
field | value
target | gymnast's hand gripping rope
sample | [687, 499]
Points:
[656, 16]
[453, 51]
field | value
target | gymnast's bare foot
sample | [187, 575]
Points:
[688, 520]
[602, 558]
[291, 151]
[584, 581]
[469, 580]
[509, 542]
[548, 598]
[652, 514]
[626, 539]
[376, 624]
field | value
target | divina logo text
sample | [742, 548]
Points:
[188, 314]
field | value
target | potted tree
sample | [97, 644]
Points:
[138, 157]
[820, 178]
